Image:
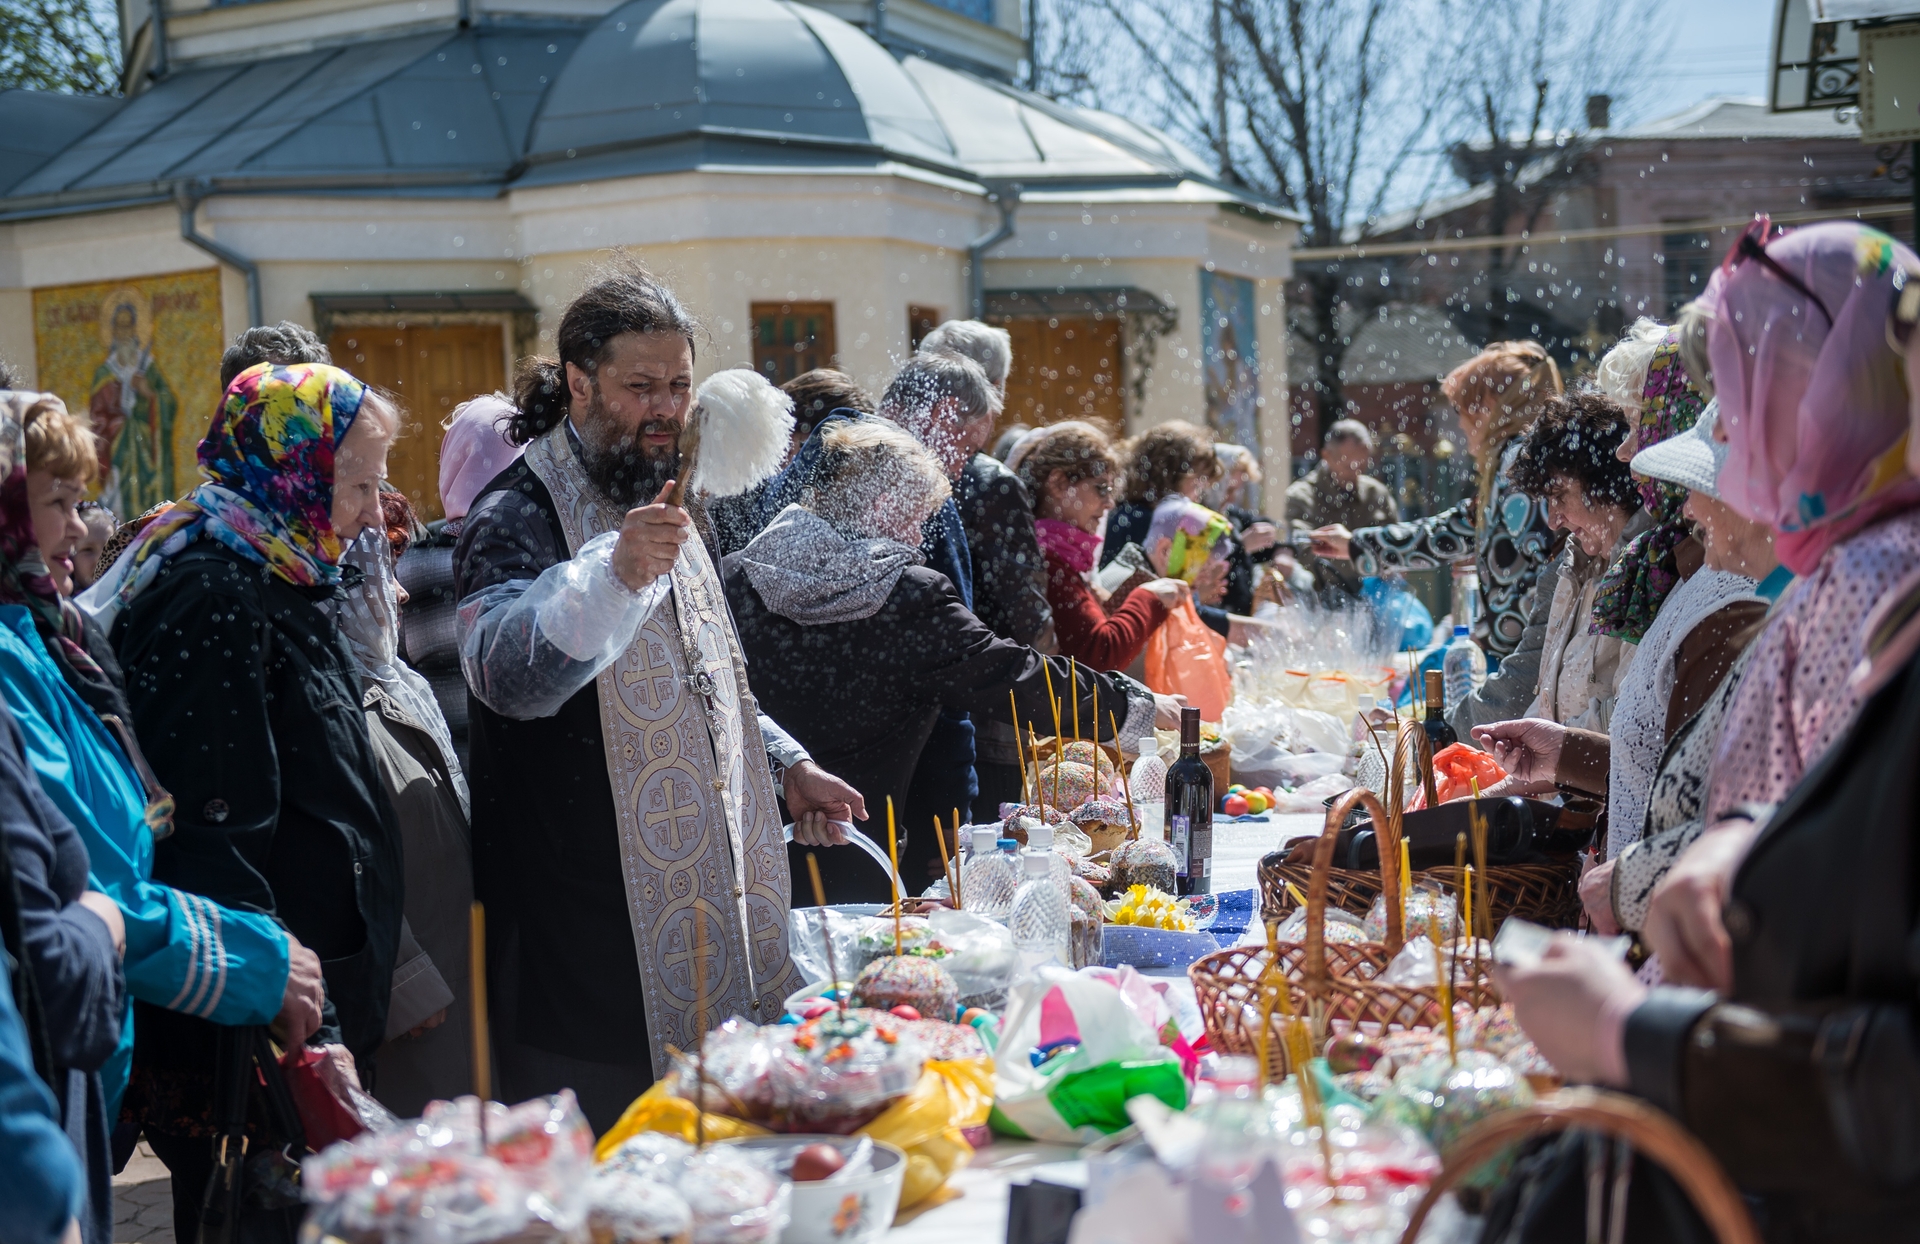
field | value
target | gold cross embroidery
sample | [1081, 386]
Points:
[709, 951]
[674, 815]
[649, 675]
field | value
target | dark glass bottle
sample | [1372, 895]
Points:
[1439, 733]
[1190, 810]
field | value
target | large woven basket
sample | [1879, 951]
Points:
[1333, 984]
[1617, 1117]
[1349, 889]
[1545, 893]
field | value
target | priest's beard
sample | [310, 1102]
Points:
[618, 462]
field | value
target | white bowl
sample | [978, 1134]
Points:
[852, 1211]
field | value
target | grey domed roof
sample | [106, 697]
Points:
[656, 86]
[656, 69]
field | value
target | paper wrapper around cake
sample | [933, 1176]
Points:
[907, 980]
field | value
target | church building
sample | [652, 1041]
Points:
[426, 182]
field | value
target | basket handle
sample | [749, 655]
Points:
[1410, 734]
[1613, 1114]
[1321, 880]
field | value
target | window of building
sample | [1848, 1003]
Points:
[791, 337]
[1689, 259]
[920, 322]
[978, 10]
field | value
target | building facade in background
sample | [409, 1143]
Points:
[1621, 222]
[426, 182]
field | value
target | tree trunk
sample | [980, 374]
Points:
[1324, 301]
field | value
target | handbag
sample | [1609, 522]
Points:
[253, 1194]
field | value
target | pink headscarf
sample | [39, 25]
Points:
[474, 451]
[1814, 412]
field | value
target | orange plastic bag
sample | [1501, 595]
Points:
[1188, 657]
[1456, 767]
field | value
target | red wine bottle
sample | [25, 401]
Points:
[1439, 733]
[1190, 810]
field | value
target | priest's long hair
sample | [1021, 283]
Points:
[631, 300]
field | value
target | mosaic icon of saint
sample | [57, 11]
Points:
[133, 408]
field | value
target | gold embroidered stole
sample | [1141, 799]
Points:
[700, 833]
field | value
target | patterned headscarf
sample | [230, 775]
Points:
[1813, 400]
[267, 491]
[24, 578]
[1635, 586]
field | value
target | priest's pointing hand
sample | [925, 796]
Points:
[650, 540]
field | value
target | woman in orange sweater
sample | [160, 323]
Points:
[1070, 470]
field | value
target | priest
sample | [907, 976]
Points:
[626, 838]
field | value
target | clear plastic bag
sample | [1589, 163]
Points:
[431, 1182]
[809, 928]
[831, 1074]
[1426, 904]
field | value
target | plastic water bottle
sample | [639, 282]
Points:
[988, 882]
[1039, 921]
[1148, 786]
[984, 842]
[1465, 666]
[1239, 1133]
[1465, 605]
[1040, 842]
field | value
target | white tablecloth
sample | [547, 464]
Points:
[979, 1214]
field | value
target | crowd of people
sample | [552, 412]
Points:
[265, 744]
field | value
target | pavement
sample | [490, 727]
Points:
[143, 1201]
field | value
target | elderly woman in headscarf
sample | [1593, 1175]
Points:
[247, 700]
[1498, 394]
[856, 647]
[427, 1053]
[1813, 401]
[63, 684]
[1255, 537]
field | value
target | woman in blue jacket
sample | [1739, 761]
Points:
[58, 675]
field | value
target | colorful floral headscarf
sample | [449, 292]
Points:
[1194, 533]
[1635, 586]
[267, 490]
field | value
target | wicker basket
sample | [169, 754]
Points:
[1617, 1117]
[1547, 893]
[1331, 983]
[1349, 889]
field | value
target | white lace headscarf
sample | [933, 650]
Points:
[370, 619]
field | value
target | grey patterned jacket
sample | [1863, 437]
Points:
[1511, 549]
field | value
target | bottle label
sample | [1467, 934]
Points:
[1178, 827]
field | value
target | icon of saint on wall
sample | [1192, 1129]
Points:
[133, 407]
